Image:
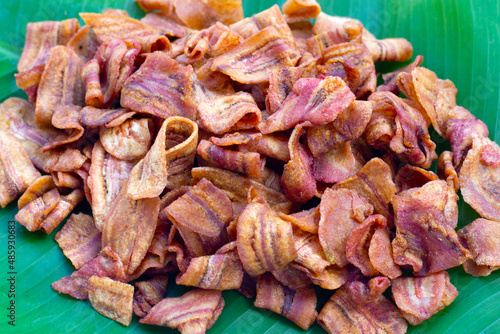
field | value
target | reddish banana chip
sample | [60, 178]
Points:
[298, 305]
[479, 178]
[79, 239]
[265, 241]
[130, 238]
[341, 211]
[112, 299]
[155, 88]
[106, 264]
[482, 238]
[168, 162]
[361, 308]
[419, 298]
[195, 311]
[148, 294]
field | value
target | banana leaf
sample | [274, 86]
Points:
[459, 39]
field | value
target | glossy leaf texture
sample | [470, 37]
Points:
[459, 39]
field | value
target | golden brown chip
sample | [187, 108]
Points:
[111, 298]
[482, 238]
[128, 141]
[299, 184]
[237, 187]
[298, 10]
[60, 84]
[129, 228]
[217, 272]
[108, 27]
[169, 161]
[36, 189]
[63, 208]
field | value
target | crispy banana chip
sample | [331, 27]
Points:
[17, 172]
[169, 161]
[79, 239]
[111, 298]
[164, 25]
[381, 255]
[419, 298]
[437, 97]
[43, 36]
[461, 129]
[37, 188]
[362, 308]
[107, 176]
[148, 294]
[298, 10]
[217, 272]
[108, 27]
[106, 264]
[237, 187]
[250, 164]
[358, 243]
[160, 87]
[221, 113]
[312, 100]
[128, 141]
[422, 230]
[201, 216]
[341, 211]
[129, 228]
[482, 238]
[353, 63]
[299, 184]
[410, 176]
[194, 312]
[390, 79]
[265, 241]
[349, 124]
[60, 84]
[106, 73]
[297, 305]
[92, 117]
[446, 171]
[400, 129]
[374, 182]
[479, 178]
[251, 61]
[66, 118]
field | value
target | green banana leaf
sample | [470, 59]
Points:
[459, 39]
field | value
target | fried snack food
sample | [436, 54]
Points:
[251, 154]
